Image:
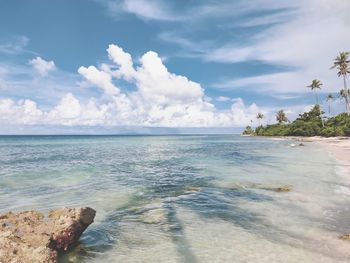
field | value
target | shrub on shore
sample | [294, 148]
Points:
[248, 131]
[307, 124]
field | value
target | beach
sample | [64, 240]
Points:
[339, 147]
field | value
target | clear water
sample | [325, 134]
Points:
[184, 198]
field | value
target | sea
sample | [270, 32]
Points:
[185, 198]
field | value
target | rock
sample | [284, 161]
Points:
[285, 188]
[301, 144]
[345, 237]
[30, 237]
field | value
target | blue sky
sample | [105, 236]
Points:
[213, 64]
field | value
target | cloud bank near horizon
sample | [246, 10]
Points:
[156, 98]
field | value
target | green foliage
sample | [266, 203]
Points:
[308, 124]
[273, 130]
[281, 117]
[342, 63]
[312, 123]
[305, 128]
[313, 115]
[248, 131]
[316, 84]
[260, 115]
[339, 125]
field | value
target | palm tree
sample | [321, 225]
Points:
[342, 63]
[329, 100]
[260, 116]
[281, 117]
[315, 85]
[342, 95]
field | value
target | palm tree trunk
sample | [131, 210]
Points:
[329, 108]
[319, 107]
[347, 98]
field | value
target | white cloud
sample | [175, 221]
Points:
[193, 11]
[123, 60]
[273, 83]
[302, 36]
[270, 19]
[67, 109]
[222, 98]
[144, 9]
[20, 112]
[99, 78]
[147, 9]
[155, 82]
[242, 112]
[42, 66]
[308, 43]
[229, 54]
[159, 99]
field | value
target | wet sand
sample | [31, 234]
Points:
[339, 147]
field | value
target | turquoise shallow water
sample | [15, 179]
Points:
[184, 198]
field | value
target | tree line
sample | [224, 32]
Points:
[313, 123]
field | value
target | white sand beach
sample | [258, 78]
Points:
[339, 147]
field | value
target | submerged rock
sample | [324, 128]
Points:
[191, 190]
[30, 237]
[285, 188]
[345, 237]
[154, 216]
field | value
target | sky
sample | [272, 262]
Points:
[137, 66]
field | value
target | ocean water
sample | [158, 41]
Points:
[190, 199]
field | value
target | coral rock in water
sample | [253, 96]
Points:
[285, 188]
[30, 237]
[345, 237]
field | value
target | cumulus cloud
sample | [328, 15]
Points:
[42, 66]
[158, 98]
[100, 79]
[20, 112]
[242, 112]
[161, 98]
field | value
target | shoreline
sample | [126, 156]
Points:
[339, 150]
[338, 147]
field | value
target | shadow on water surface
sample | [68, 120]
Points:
[209, 203]
[178, 236]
